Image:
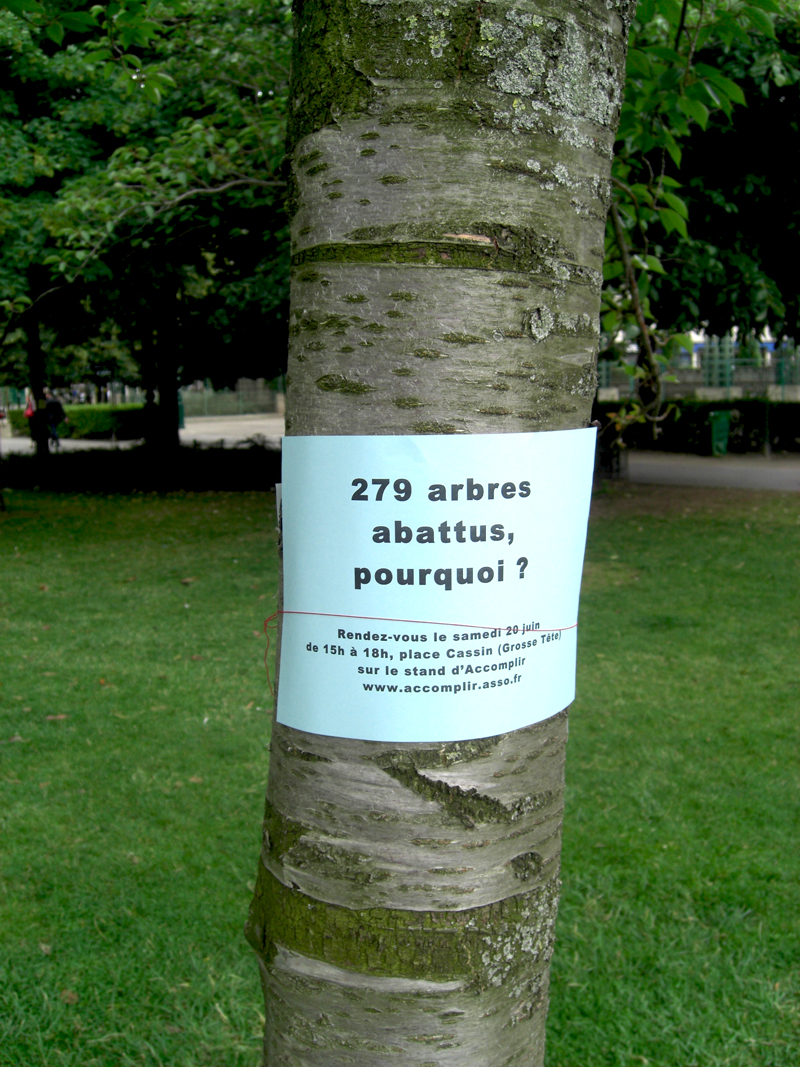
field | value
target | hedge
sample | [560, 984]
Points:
[97, 422]
[754, 423]
[138, 469]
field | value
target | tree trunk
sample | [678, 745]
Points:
[147, 367]
[166, 425]
[450, 189]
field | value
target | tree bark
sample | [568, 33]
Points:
[166, 435]
[147, 368]
[450, 187]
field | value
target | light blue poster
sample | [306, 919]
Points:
[431, 583]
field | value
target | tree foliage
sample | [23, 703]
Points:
[158, 212]
[743, 193]
[667, 244]
[143, 175]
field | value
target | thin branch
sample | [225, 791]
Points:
[206, 191]
[681, 24]
[632, 195]
[694, 40]
[660, 186]
[7, 327]
[40, 297]
[94, 251]
[210, 190]
[630, 276]
[650, 360]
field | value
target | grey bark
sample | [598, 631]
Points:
[450, 167]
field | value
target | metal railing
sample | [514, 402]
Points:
[723, 370]
[249, 397]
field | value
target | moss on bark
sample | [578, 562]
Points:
[505, 941]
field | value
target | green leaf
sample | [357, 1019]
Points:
[668, 55]
[726, 85]
[760, 20]
[676, 204]
[78, 21]
[673, 148]
[152, 92]
[682, 340]
[55, 31]
[728, 27]
[17, 7]
[654, 263]
[703, 93]
[642, 193]
[695, 110]
[670, 10]
[670, 78]
[671, 220]
[639, 62]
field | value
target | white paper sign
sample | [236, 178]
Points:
[431, 583]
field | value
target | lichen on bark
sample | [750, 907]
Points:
[490, 129]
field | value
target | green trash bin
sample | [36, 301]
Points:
[720, 430]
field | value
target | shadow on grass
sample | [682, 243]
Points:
[144, 469]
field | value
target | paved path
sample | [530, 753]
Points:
[722, 472]
[229, 430]
[653, 468]
[10, 444]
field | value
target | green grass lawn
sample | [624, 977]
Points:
[131, 663]
[679, 929]
[133, 727]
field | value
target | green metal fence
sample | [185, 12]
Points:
[250, 397]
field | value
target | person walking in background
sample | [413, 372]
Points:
[55, 414]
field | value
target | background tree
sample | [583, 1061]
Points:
[686, 67]
[44, 140]
[736, 265]
[178, 180]
[449, 189]
[161, 215]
